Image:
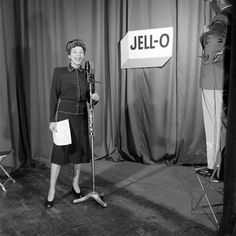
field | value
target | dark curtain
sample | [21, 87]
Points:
[228, 221]
[144, 115]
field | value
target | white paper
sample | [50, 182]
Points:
[62, 135]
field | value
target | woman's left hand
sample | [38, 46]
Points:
[95, 97]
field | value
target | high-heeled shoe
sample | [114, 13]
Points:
[48, 204]
[77, 195]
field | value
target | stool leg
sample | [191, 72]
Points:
[204, 189]
[9, 178]
[7, 174]
[3, 188]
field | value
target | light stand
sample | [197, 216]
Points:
[93, 194]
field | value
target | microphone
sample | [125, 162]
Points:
[87, 67]
[89, 71]
[89, 75]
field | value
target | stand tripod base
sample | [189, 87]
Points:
[93, 195]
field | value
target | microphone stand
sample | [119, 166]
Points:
[92, 194]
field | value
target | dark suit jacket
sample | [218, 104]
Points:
[69, 92]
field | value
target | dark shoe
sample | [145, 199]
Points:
[77, 195]
[205, 172]
[48, 204]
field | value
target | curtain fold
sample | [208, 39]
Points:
[4, 89]
[12, 134]
[191, 147]
[148, 112]
[147, 115]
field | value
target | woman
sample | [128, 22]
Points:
[69, 94]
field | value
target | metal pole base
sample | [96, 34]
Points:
[93, 195]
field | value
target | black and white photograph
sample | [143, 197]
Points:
[117, 118]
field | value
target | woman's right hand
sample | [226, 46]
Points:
[53, 126]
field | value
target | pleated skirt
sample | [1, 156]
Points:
[79, 151]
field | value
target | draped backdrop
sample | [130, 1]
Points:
[146, 115]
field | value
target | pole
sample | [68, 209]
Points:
[93, 194]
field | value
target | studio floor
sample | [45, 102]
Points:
[141, 200]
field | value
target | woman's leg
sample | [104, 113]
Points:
[55, 169]
[76, 175]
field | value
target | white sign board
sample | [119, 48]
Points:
[146, 48]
